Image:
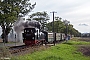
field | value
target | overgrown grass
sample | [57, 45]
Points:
[64, 51]
[77, 43]
[4, 52]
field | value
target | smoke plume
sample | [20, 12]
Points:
[20, 24]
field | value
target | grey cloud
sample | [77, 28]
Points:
[83, 24]
[76, 11]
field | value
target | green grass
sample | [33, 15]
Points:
[77, 43]
[64, 51]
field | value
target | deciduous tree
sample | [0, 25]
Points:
[42, 17]
[10, 10]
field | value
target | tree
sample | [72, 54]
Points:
[59, 24]
[10, 10]
[60, 27]
[41, 17]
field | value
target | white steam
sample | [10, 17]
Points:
[21, 24]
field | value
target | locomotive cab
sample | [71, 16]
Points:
[29, 36]
[32, 36]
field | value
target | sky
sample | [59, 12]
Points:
[75, 11]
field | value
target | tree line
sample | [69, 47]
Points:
[59, 25]
[11, 10]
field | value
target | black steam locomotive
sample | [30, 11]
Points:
[32, 36]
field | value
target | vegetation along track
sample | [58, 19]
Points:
[23, 49]
[85, 39]
[85, 49]
[16, 49]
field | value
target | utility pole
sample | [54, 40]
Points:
[53, 28]
[66, 23]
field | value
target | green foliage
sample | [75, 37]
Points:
[41, 17]
[77, 43]
[10, 10]
[60, 27]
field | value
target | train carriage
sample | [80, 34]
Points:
[50, 37]
[57, 37]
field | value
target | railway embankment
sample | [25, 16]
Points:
[74, 49]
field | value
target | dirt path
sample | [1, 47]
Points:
[85, 49]
[85, 39]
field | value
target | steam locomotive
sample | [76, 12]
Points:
[33, 36]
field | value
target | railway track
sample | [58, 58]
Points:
[17, 50]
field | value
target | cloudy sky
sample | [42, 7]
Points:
[75, 11]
